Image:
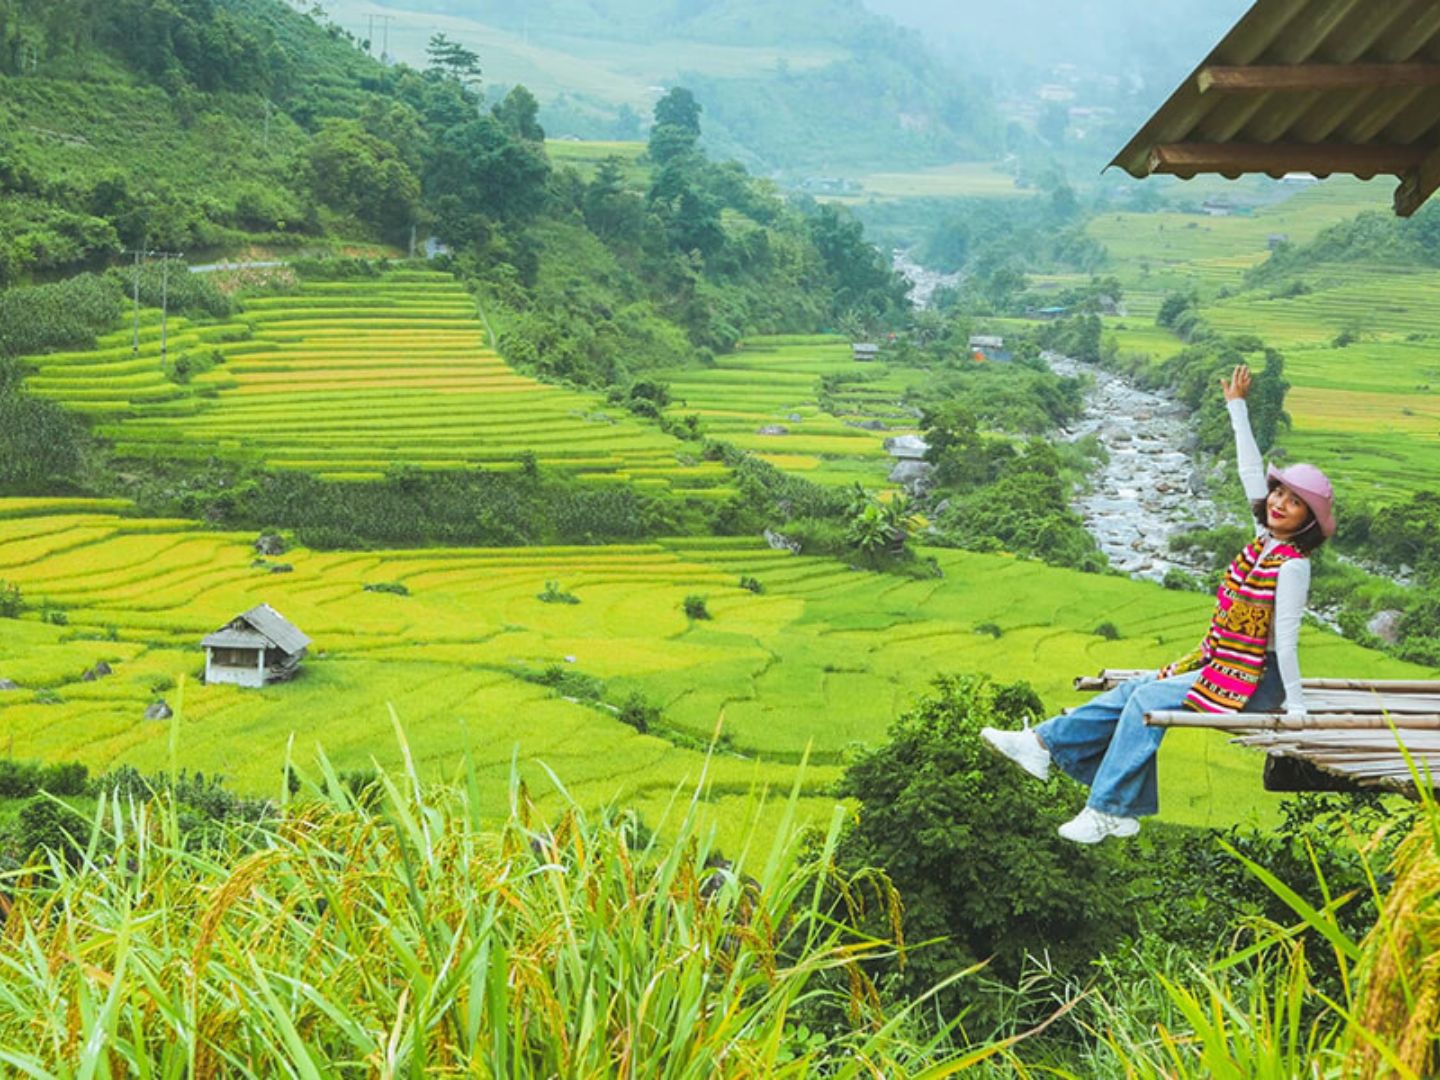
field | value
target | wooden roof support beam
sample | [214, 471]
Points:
[1417, 186]
[1187, 159]
[1260, 79]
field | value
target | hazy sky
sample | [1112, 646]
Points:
[1160, 40]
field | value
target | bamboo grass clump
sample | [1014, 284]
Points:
[421, 939]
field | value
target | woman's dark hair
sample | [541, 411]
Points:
[1307, 539]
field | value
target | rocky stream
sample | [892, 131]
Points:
[1150, 487]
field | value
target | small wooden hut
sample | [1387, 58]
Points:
[254, 649]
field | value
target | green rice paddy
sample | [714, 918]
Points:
[1359, 340]
[346, 379]
[769, 398]
[821, 661]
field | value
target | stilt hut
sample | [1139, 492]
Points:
[255, 649]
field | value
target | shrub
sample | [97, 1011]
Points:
[993, 629]
[1107, 630]
[695, 607]
[66, 315]
[638, 713]
[553, 594]
[974, 852]
[12, 601]
[751, 584]
[44, 824]
[394, 588]
[1180, 581]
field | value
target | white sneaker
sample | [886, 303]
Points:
[1022, 747]
[1090, 826]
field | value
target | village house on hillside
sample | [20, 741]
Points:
[254, 649]
[988, 347]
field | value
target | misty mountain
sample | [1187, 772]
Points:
[810, 85]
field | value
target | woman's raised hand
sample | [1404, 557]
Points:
[1238, 385]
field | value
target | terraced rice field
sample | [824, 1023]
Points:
[824, 659]
[769, 398]
[1369, 411]
[348, 378]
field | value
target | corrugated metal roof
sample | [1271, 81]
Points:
[260, 627]
[1319, 86]
[277, 628]
[236, 639]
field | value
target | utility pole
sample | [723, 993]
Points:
[165, 257]
[385, 29]
[135, 335]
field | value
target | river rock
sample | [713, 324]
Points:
[914, 475]
[781, 542]
[99, 671]
[1386, 625]
[906, 446]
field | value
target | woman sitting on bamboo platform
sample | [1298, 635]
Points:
[1247, 658]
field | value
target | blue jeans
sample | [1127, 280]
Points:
[1106, 744]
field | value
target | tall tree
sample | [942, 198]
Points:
[518, 113]
[677, 126]
[452, 59]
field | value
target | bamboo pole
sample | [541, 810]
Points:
[1392, 686]
[1111, 677]
[1285, 722]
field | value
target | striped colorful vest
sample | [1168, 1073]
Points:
[1232, 655]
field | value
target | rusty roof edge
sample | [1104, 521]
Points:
[1262, 22]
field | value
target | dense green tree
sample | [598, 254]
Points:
[678, 108]
[358, 173]
[613, 213]
[677, 126]
[488, 173]
[857, 273]
[972, 846]
[452, 59]
[518, 114]
[42, 446]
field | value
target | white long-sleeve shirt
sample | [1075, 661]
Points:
[1292, 585]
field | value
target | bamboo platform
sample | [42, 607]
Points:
[1359, 730]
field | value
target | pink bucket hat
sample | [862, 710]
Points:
[1314, 489]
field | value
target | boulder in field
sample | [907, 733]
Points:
[9, 684]
[159, 711]
[271, 544]
[1385, 625]
[781, 542]
[99, 671]
[773, 429]
[913, 475]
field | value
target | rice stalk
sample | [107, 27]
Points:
[420, 938]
